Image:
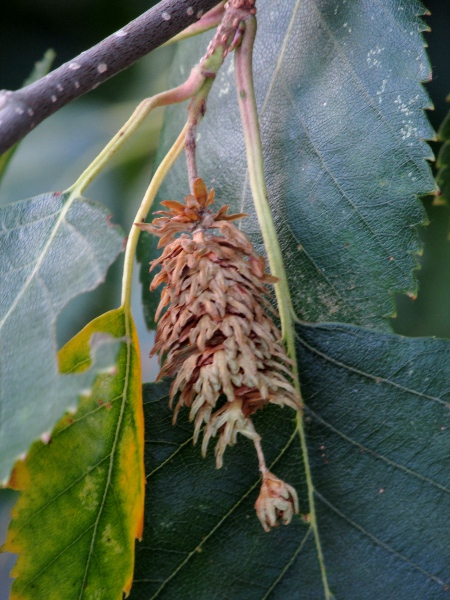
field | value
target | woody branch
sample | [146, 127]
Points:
[22, 110]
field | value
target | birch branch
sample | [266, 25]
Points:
[22, 110]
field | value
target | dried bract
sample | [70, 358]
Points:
[277, 502]
[216, 337]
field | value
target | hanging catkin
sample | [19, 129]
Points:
[217, 336]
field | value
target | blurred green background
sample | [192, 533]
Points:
[54, 155]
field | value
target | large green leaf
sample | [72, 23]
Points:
[378, 427]
[341, 105]
[82, 497]
[343, 128]
[52, 247]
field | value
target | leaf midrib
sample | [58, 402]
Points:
[126, 318]
[40, 259]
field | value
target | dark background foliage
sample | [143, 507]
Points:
[29, 27]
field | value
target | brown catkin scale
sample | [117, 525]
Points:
[217, 337]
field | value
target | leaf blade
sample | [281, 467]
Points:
[344, 151]
[349, 246]
[53, 247]
[201, 536]
[87, 485]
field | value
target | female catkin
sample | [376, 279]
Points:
[217, 337]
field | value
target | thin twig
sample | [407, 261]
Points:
[22, 110]
[210, 20]
[259, 451]
[196, 111]
[228, 37]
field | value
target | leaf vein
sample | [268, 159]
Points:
[61, 493]
[49, 564]
[94, 260]
[223, 519]
[360, 84]
[49, 216]
[169, 458]
[288, 564]
[375, 378]
[376, 454]
[379, 542]
[342, 192]
[39, 261]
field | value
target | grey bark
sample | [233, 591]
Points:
[22, 110]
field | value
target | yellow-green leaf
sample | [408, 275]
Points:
[81, 505]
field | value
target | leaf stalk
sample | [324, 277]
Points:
[252, 137]
[179, 94]
[157, 179]
[196, 82]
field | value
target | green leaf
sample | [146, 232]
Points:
[443, 161]
[52, 247]
[341, 106]
[41, 68]
[378, 436]
[82, 497]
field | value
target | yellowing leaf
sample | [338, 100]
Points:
[81, 505]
